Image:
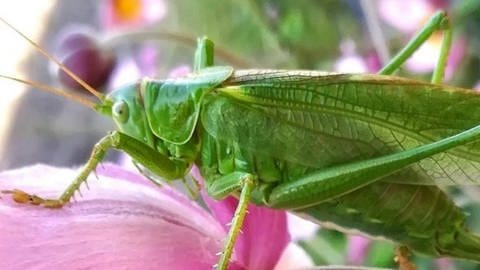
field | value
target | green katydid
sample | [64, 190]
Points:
[271, 137]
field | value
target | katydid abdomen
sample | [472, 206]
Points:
[282, 125]
[423, 218]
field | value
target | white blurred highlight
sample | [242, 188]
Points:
[27, 16]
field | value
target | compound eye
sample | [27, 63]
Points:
[120, 111]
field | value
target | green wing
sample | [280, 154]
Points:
[319, 120]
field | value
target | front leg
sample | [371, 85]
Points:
[98, 154]
[154, 161]
[222, 187]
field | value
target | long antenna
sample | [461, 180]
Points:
[53, 90]
[85, 85]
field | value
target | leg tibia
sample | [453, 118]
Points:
[439, 21]
[237, 221]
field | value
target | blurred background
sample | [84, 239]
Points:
[111, 42]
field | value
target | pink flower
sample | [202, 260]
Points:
[425, 58]
[123, 221]
[350, 61]
[80, 52]
[393, 12]
[444, 264]
[179, 71]
[357, 249]
[263, 229]
[130, 13]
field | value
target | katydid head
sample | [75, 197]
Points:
[125, 107]
[131, 110]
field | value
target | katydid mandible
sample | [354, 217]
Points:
[271, 137]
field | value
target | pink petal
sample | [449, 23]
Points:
[425, 58]
[393, 12]
[264, 233]
[351, 64]
[154, 10]
[179, 71]
[444, 264]
[357, 249]
[147, 60]
[350, 61]
[122, 222]
[294, 257]
[125, 72]
[373, 62]
[150, 12]
[456, 56]
[300, 228]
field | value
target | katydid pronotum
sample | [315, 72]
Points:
[271, 137]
